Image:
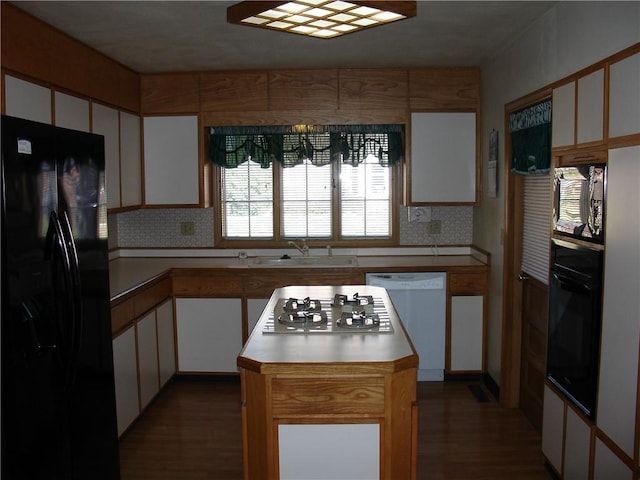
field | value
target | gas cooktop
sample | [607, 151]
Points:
[340, 314]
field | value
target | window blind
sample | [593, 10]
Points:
[537, 226]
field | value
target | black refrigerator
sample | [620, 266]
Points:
[58, 395]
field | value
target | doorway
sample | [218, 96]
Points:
[525, 284]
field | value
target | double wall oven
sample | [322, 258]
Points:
[576, 283]
[575, 317]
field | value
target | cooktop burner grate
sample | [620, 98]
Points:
[341, 314]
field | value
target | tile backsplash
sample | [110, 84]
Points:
[161, 228]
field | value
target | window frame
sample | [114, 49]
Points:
[282, 242]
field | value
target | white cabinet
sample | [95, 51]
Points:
[209, 334]
[590, 120]
[166, 342]
[171, 168]
[255, 306]
[563, 109]
[577, 447]
[443, 158]
[147, 358]
[578, 111]
[467, 333]
[553, 428]
[566, 437]
[298, 461]
[27, 100]
[608, 466]
[624, 97]
[126, 378]
[130, 160]
[617, 385]
[105, 122]
[72, 112]
[143, 357]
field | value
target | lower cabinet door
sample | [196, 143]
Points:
[147, 358]
[317, 452]
[209, 334]
[553, 428]
[125, 368]
[255, 306]
[166, 342]
[466, 333]
[576, 447]
[607, 465]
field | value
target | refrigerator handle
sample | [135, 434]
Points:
[55, 245]
[76, 293]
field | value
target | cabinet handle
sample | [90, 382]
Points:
[522, 277]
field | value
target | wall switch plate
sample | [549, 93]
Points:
[434, 227]
[187, 228]
[420, 214]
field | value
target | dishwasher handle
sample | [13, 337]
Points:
[407, 281]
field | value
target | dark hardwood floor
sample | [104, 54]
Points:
[192, 431]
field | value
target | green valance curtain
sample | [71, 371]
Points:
[531, 139]
[291, 145]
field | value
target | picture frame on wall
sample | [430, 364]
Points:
[492, 190]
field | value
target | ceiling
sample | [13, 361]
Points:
[161, 36]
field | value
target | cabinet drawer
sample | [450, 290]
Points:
[320, 396]
[121, 315]
[200, 284]
[151, 297]
[265, 284]
[467, 284]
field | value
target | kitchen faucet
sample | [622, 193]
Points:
[304, 249]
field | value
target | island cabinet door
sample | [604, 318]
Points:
[365, 424]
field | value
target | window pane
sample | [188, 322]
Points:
[247, 196]
[366, 199]
[306, 201]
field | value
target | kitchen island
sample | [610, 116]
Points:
[325, 402]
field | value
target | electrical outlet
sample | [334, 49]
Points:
[434, 227]
[187, 228]
[420, 214]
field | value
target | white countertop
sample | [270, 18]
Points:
[264, 349]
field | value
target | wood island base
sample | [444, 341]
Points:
[352, 416]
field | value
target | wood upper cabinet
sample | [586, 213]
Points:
[442, 164]
[170, 93]
[234, 91]
[303, 89]
[444, 88]
[624, 97]
[171, 163]
[370, 89]
[578, 112]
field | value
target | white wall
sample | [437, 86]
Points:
[569, 37]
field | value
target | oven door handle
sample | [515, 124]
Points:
[571, 284]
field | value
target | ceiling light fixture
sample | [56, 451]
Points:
[319, 18]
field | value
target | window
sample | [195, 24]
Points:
[329, 185]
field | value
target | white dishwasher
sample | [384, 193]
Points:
[420, 301]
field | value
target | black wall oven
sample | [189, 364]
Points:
[575, 318]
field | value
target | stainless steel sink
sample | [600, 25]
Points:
[325, 261]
